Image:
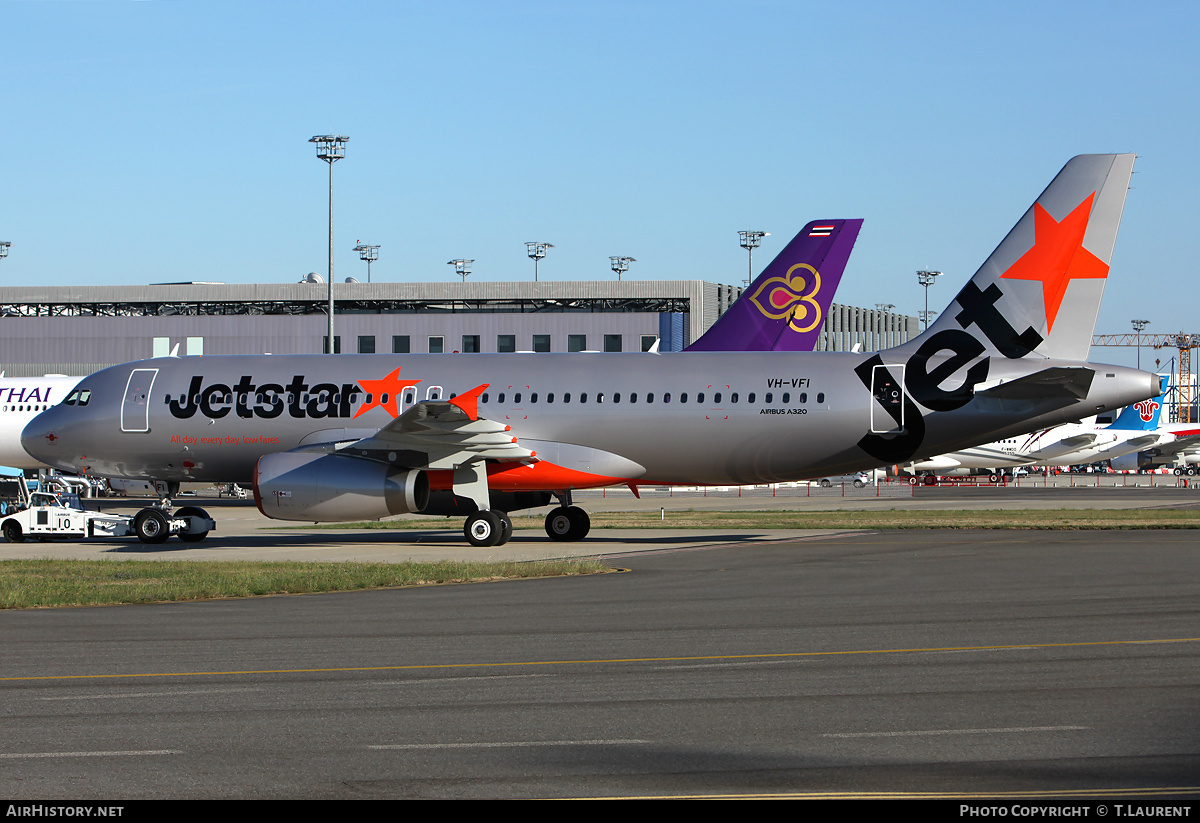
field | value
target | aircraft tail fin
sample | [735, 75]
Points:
[784, 308]
[1038, 294]
[1143, 416]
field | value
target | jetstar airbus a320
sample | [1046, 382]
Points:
[346, 437]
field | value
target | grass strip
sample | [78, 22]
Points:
[28, 584]
[889, 519]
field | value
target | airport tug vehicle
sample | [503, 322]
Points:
[47, 515]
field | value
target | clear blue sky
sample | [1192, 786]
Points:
[166, 141]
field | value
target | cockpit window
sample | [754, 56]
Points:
[85, 397]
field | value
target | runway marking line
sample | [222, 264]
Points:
[19, 756]
[767, 656]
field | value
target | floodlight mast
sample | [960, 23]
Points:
[620, 265]
[926, 279]
[330, 148]
[1138, 325]
[4, 247]
[536, 252]
[461, 267]
[750, 240]
[369, 254]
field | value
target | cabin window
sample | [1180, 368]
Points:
[767, 399]
[649, 397]
[566, 397]
[666, 397]
[717, 398]
[820, 397]
[616, 397]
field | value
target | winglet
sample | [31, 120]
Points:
[469, 401]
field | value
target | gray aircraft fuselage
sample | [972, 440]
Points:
[669, 418]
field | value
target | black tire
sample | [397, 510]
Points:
[567, 524]
[825, 484]
[192, 511]
[12, 532]
[151, 526]
[483, 529]
[858, 484]
[506, 527]
[912, 481]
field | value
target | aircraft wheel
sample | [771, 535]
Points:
[568, 523]
[483, 529]
[192, 511]
[1189, 471]
[12, 531]
[1178, 471]
[151, 526]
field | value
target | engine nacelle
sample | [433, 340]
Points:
[1131, 462]
[335, 487]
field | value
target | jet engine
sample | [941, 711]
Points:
[335, 487]
[1131, 462]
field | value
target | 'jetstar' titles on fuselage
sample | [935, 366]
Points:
[269, 400]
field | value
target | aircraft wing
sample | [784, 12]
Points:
[1184, 441]
[442, 434]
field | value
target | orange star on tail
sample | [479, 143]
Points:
[384, 393]
[1058, 256]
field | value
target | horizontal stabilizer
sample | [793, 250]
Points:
[1047, 383]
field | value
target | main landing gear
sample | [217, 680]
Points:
[492, 527]
[488, 528]
[567, 523]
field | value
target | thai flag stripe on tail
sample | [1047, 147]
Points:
[820, 231]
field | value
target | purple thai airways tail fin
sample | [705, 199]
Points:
[783, 309]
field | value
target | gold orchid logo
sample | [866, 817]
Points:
[791, 297]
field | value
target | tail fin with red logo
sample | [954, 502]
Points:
[1142, 416]
[1038, 294]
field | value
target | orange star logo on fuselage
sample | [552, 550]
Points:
[384, 393]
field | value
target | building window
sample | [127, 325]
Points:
[612, 342]
[366, 344]
[337, 344]
[541, 342]
[648, 341]
[470, 344]
[576, 342]
[400, 344]
[437, 345]
[506, 343]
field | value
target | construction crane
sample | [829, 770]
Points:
[1182, 381]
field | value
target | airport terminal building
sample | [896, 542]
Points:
[81, 329]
